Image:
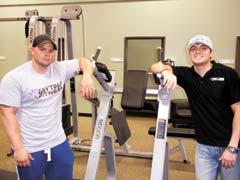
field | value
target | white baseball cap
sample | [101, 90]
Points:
[202, 39]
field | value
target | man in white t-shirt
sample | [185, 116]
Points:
[31, 106]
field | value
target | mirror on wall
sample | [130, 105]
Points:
[141, 52]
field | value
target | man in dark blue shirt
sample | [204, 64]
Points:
[213, 91]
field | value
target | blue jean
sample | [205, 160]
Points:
[208, 166]
[59, 168]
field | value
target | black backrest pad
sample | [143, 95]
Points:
[134, 89]
[120, 125]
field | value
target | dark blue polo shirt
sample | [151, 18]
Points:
[210, 98]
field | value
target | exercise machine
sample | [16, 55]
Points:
[99, 132]
[162, 131]
[107, 81]
[160, 151]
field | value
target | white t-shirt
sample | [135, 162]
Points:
[38, 98]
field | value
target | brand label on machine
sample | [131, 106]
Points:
[98, 129]
[160, 133]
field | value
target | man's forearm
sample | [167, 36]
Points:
[85, 66]
[235, 138]
[11, 127]
[160, 67]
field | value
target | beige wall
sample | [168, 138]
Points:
[106, 25]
